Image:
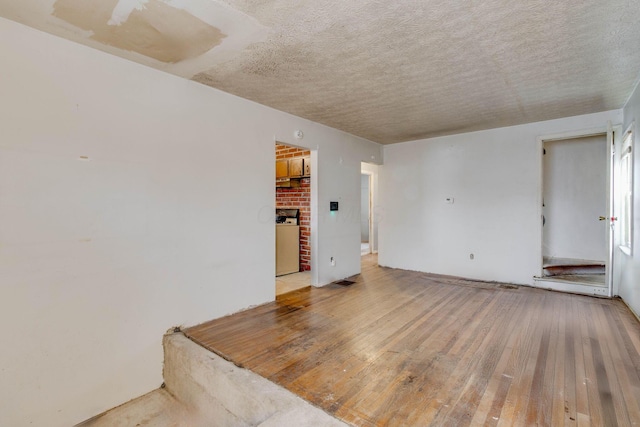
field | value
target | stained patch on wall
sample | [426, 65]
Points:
[158, 30]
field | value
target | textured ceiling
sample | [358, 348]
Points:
[388, 71]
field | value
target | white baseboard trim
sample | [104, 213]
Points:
[574, 288]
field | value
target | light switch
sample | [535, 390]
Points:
[449, 200]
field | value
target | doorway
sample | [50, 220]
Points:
[576, 234]
[369, 215]
[365, 214]
[293, 218]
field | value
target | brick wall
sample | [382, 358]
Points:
[286, 152]
[299, 197]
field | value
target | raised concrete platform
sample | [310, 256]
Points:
[158, 409]
[202, 389]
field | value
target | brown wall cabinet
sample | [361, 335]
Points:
[282, 168]
[296, 167]
[288, 171]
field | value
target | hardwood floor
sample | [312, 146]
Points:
[403, 348]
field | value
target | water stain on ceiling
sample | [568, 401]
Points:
[156, 30]
[387, 71]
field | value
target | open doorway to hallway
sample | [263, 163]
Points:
[368, 214]
[365, 214]
[293, 218]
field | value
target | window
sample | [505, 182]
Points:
[626, 193]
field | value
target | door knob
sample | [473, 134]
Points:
[602, 218]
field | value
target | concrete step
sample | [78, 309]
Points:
[157, 409]
[204, 390]
[218, 390]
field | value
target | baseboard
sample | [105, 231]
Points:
[556, 285]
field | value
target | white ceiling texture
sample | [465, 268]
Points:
[388, 71]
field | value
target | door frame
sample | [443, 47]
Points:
[369, 174]
[539, 280]
[313, 205]
[373, 203]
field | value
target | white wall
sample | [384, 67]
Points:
[575, 195]
[156, 228]
[627, 267]
[494, 177]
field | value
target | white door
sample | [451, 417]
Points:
[575, 196]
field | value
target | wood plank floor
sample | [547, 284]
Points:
[403, 348]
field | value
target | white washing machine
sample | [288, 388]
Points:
[287, 241]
